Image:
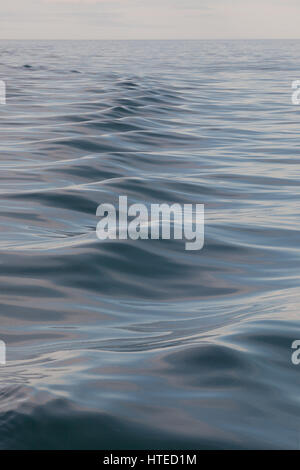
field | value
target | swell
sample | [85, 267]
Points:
[155, 345]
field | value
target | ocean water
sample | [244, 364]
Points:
[141, 344]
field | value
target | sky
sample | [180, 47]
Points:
[149, 19]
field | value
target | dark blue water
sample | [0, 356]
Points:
[141, 344]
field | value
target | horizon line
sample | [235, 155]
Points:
[153, 39]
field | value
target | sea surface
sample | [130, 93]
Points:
[124, 344]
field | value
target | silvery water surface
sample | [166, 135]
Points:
[141, 344]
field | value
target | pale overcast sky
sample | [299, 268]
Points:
[149, 19]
